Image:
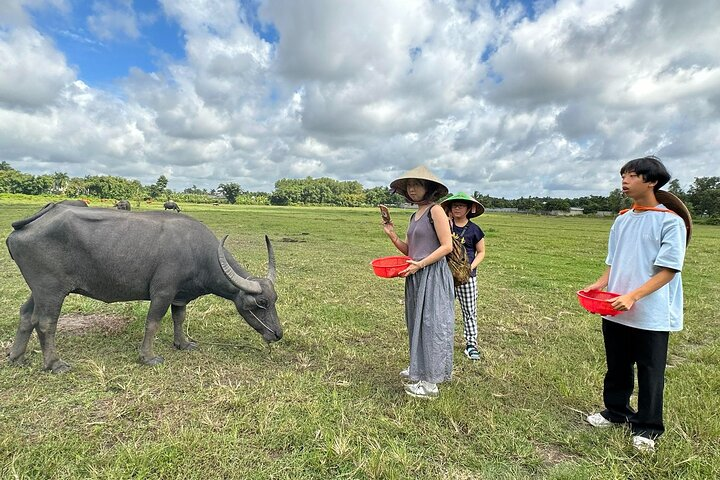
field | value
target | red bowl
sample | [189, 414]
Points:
[596, 301]
[389, 267]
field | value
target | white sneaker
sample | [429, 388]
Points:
[643, 444]
[422, 389]
[597, 420]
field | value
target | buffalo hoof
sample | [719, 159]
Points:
[153, 361]
[58, 366]
[18, 361]
[186, 346]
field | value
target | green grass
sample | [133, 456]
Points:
[326, 401]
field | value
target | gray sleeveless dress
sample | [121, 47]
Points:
[429, 307]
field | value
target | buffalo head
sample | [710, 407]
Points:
[255, 300]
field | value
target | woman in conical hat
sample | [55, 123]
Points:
[434, 188]
[429, 289]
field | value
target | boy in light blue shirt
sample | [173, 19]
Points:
[646, 250]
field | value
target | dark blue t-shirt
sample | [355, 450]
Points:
[469, 235]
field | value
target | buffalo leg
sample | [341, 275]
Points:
[157, 310]
[45, 317]
[182, 342]
[25, 328]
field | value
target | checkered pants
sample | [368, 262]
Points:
[467, 294]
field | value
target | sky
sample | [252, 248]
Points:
[508, 98]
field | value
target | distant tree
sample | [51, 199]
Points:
[529, 204]
[551, 204]
[195, 191]
[36, 185]
[382, 196]
[11, 181]
[60, 182]
[675, 188]
[704, 196]
[159, 188]
[617, 201]
[108, 186]
[5, 166]
[231, 191]
[279, 198]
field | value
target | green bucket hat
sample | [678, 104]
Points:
[475, 208]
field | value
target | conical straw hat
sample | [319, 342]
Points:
[399, 185]
[676, 205]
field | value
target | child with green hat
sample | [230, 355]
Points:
[461, 207]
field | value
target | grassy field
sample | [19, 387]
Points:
[326, 401]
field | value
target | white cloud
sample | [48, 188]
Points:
[110, 20]
[490, 100]
[33, 71]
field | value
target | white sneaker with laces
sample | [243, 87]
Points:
[422, 389]
[597, 420]
[643, 444]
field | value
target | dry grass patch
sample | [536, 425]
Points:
[80, 323]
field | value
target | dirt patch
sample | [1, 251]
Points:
[79, 324]
[553, 454]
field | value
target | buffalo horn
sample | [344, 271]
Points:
[271, 260]
[249, 286]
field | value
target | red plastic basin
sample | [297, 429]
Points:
[596, 301]
[389, 267]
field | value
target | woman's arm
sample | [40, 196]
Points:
[389, 230]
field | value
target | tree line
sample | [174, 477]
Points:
[702, 197]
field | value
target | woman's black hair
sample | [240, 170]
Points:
[650, 168]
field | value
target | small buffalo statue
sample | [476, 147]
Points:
[115, 256]
[170, 205]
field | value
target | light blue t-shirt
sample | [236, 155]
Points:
[640, 244]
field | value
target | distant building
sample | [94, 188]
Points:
[566, 213]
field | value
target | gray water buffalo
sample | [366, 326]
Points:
[170, 205]
[122, 205]
[116, 256]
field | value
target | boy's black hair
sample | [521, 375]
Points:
[650, 168]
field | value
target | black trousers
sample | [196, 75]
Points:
[626, 347]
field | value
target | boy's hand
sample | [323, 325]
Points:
[623, 302]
